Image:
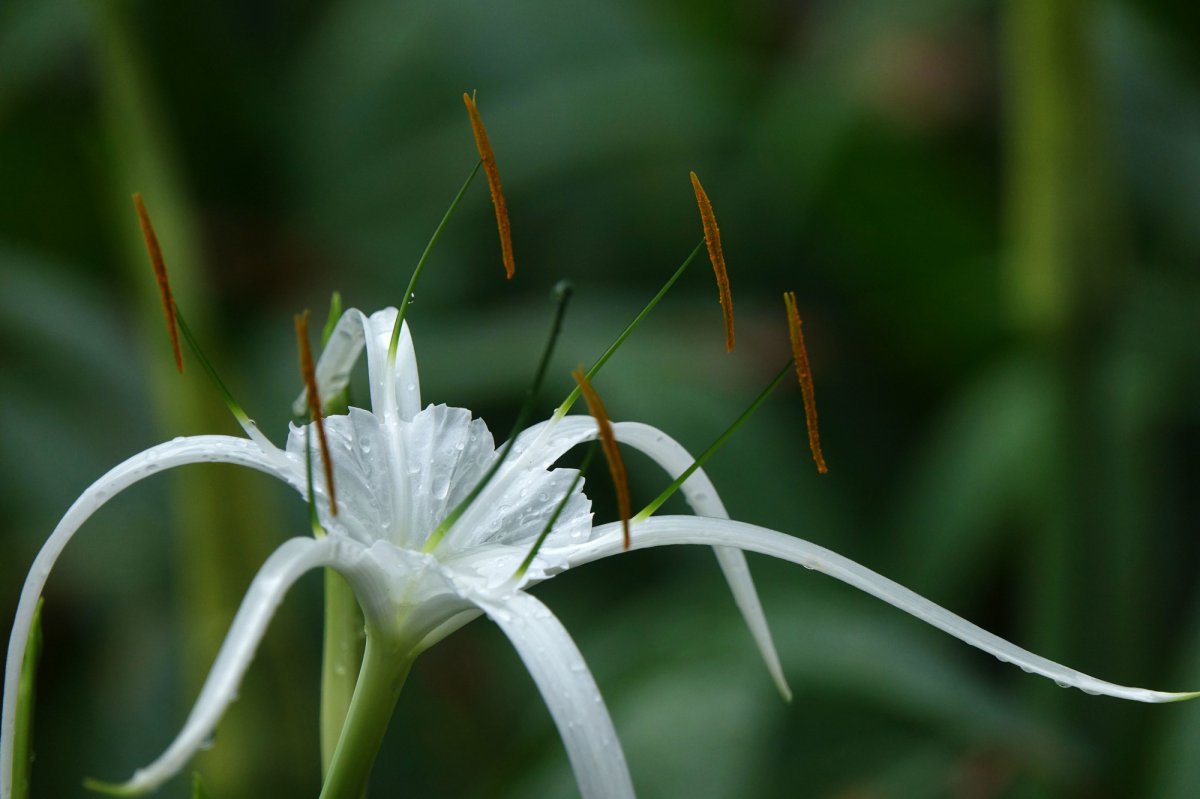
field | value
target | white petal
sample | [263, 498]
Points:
[195, 449]
[286, 565]
[669, 530]
[567, 687]
[516, 504]
[546, 442]
[362, 473]
[701, 495]
[397, 399]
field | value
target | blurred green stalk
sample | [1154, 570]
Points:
[221, 527]
[1086, 572]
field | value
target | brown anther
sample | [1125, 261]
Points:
[309, 373]
[160, 275]
[804, 375]
[712, 240]
[608, 442]
[493, 177]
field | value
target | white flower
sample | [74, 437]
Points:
[399, 470]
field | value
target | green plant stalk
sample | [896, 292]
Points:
[340, 661]
[1065, 251]
[26, 694]
[384, 670]
[216, 545]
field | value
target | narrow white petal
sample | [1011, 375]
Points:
[195, 449]
[544, 443]
[669, 530]
[286, 565]
[401, 398]
[569, 690]
[702, 496]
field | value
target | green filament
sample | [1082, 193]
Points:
[648, 511]
[637, 320]
[412, 282]
[194, 346]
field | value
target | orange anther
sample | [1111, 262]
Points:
[309, 374]
[608, 442]
[804, 375]
[493, 177]
[160, 275]
[712, 239]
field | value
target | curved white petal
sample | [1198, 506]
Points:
[702, 496]
[669, 530]
[569, 690]
[399, 398]
[287, 564]
[195, 449]
[544, 443]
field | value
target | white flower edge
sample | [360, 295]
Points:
[569, 690]
[675, 530]
[179, 452]
[543, 644]
[398, 398]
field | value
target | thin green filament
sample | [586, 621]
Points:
[649, 510]
[562, 293]
[194, 346]
[412, 283]
[637, 320]
[587, 461]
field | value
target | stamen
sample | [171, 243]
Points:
[712, 238]
[608, 442]
[583, 467]
[648, 511]
[619, 340]
[804, 375]
[160, 275]
[412, 281]
[314, 519]
[308, 372]
[493, 176]
[562, 293]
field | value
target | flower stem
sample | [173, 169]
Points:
[343, 653]
[384, 670]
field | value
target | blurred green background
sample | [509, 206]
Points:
[989, 213]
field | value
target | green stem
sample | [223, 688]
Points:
[384, 670]
[340, 662]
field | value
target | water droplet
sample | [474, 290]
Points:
[1062, 683]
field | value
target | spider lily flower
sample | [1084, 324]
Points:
[400, 470]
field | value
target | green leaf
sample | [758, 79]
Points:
[23, 734]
